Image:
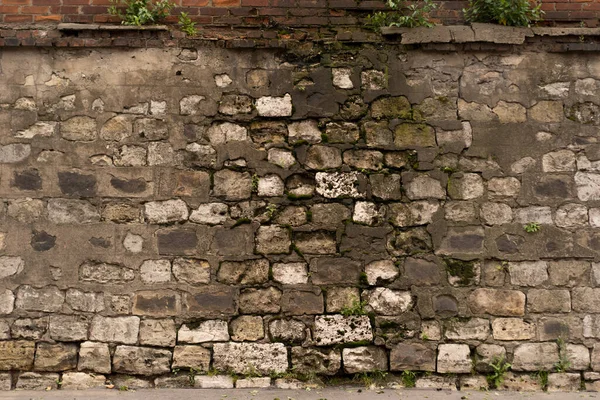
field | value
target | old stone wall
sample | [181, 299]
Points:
[195, 217]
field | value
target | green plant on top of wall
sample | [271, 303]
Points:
[403, 14]
[140, 12]
[504, 12]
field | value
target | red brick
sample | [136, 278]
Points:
[226, 3]
[34, 10]
[568, 6]
[255, 3]
[16, 2]
[18, 18]
[194, 3]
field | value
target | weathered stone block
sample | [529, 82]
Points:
[274, 106]
[232, 185]
[454, 358]
[158, 332]
[386, 186]
[569, 273]
[384, 301]
[157, 303]
[298, 302]
[258, 301]
[210, 302]
[528, 273]
[323, 157]
[244, 357]
[176, 241]
[105, 273]
[315, 242]
[497, 302]
[141, 360]
[206, 331]
[115, 329]
[333, 329]
[16, 355]
[513, 329]
[213, 382]
[334, 270]
[244, 272]
[247, 328]
[94, 357]
[585, 299]
[364, 359]
[85, 301]
[287, 330]
[564, 382]
[55, 357]
[410, 136]
[473, 329]
[311, 360]
[47, 299]
[412, 357]
[548, 301]
[69, 328]
[273, 239]
[340, 185]
[424, 187]
[535, 357]
[191, 270]
[290, 273]
[36, 381]
[465, 186]
[196, 357]
[28, 328]
[381, 271]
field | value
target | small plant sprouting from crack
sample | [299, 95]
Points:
[357, 308]
[500, 368]
[531, 227]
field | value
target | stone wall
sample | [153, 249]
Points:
[286, 214]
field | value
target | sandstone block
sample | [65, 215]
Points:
[141, 360]
[454, 358]
[535, 357]
[333, 329]
[364, 359]
[94, 357]
[244, 357]
[196, 357]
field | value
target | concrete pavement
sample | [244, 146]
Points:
[275, 394]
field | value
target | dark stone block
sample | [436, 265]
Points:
[76, 184]
[334, 270]
[177, 242]
[211, 302]
[421, 272]
[27, 180]
[445, 306]
[42, 241]
[128, 185]
[298, 302]
[509, 244]
[156, 303]
[412, 357]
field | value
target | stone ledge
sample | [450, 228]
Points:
[487, 33]
[101, 27]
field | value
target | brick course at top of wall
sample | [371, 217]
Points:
[270, 13]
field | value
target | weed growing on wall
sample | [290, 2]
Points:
[500, 367]
[504, 12]
[140, 12]
[187, 25]
[404, 15]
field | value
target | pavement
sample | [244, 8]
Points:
[280, 394]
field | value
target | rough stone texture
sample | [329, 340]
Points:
[333, 329]
[454, 358]
[245, 357]
[535, 357]
[141, 360]
[370, 206]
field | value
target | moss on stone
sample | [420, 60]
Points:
[465, 270]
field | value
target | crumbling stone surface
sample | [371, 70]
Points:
[280, 216]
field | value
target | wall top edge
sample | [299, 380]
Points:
[440, 38]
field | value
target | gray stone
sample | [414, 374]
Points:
[528, 273]
[321, 157]
[141, 360]
[64, 211]
[94, 357]
[571, 216]
[282, 158]
[245, 357]
[588, 186]
[412, 357]
[257, 301]
[211, 214]
[117, 129]
[105, 273]
[535, 357]
[47, 299]
[473, 329]
[162, 154]
[163, 212]
[55, 357]
[226, 132]
[287, 331]
[253, 383]
[10, 266]
[244, 272]
[465, 186]
[424, 187]
[115, 329]
[158, 332]
[26, 210]
[364, 359]
[273, 239]
[36, 381]
[454, 358]
[548, 301]
[564, 382]
[206, 331]
[380, 271]
[28, 328]
[213, 382]
[513, 329]
[7, 301]
[270, 186]
[69, 328]
[341, 78]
